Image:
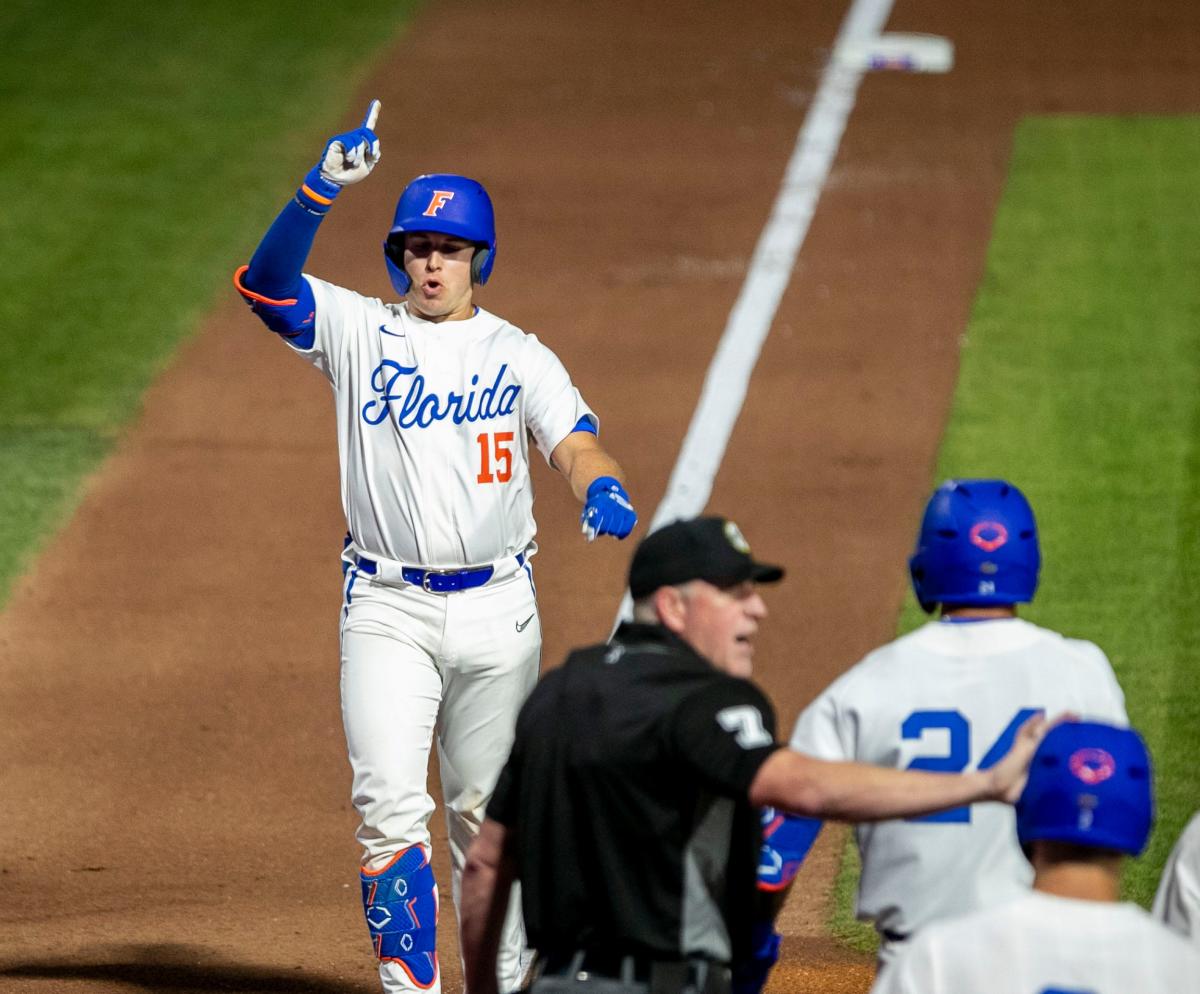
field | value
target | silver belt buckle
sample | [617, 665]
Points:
[429, 575]
[436, 572]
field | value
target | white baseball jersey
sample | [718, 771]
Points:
[949, 697]
[1177, 902]
[433, 423]
[1041, 944]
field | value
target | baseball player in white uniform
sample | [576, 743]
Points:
[436, 401]
[1088, 802]
[1177, 902]
[949, 696]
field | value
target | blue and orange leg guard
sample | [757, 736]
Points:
[401, 905]
[786, 841]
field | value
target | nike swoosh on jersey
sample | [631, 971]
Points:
[522, 625]
[394, 334]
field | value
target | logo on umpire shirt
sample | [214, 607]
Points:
[746, 723]
[439, 200]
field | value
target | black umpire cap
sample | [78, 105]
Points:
[710, 549]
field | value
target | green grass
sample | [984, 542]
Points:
[859, 936]
[1080, 381]
[41, 468]
[148, 146]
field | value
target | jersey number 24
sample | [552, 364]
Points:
[917, 723]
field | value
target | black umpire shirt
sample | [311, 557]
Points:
[626, 794]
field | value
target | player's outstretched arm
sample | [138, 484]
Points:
[861, 792]
[486, 883]
[594, 477]
[271, 284]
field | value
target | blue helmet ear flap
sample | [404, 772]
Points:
[916, 572]
[481, 264]
[393, 254]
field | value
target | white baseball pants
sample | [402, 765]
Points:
[414, 663]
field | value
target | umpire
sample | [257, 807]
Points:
[629, 806]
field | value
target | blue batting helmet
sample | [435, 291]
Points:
[978, 545]
[449, 204]
[1089, 784]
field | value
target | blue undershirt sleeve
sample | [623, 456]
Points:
[277, 262]
[272, 284]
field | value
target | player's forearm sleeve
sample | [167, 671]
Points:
[279, 259]
[273, 285]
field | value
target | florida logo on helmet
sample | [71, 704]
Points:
[1092, 766]
[439, 200]
[988, 535]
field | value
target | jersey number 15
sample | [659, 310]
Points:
[495, 448]
[917, 723]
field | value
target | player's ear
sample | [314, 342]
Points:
[670, 604]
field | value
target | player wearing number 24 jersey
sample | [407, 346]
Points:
[949, 697]
[437, 403]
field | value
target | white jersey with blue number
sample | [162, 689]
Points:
[1042, 944]
[1177, 902]
[433, 423]
[949, 697]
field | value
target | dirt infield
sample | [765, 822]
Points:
[176, 814]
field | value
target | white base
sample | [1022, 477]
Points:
[901, 52]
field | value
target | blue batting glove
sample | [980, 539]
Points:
[608, 510]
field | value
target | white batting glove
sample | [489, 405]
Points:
[350, 157]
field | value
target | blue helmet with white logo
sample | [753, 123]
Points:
[449, 204]
[1089, 784]
[977, 546]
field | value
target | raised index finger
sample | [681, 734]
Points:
[372, 115]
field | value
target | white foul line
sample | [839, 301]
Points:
[728, 376]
